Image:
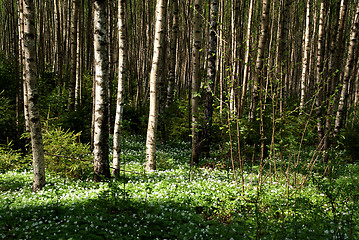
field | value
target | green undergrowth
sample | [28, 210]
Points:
[171, 204]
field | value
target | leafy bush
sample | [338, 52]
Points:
[54, 107]
[11, 159]
[65, 154]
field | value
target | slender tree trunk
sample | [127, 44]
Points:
[305, 58]
[335, 45]
[195, 82]
[246, 57]
[154, 80]
[16, 44]
[172, 55]
[120, 88]
[101, 161]
[283, 52]
[59, 44]
[39, 11]
[79, 47]
[110, 70]
[73, 67]
[319, 70]
[221, 50]
[30, 67]
[211, 75]
[89, 38]
[262, 43]
[232, 97]
[162, 91]
[349, 66]
[22, 47]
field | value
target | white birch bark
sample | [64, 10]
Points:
[349, 66]
[335, 47]
[258, 76]
[172, 55]
[30, 67]
[232, 95]
[221, 54]
[21, 43]
[154, 80]
[74, 36]
[120, 89]
[305, 58]
[211, 75]
[246, 57]
[101, 164]
[283, 55]
[319, 70]
[195, 81]
[78, 82]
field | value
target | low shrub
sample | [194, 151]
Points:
[12, 159]
[65, 154]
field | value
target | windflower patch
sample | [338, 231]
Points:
[171, 204]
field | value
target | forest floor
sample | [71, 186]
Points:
[176, 203]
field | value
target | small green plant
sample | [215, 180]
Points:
[11, 159]
[65, 154]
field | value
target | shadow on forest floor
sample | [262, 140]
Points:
[86, 210]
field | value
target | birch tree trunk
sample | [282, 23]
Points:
[195, 82]
[337, 45]
[172, 55]
[246, 57]
[30, 67]
[79, 54]
[283, 51]
[349, 66]
[232, 97]
[17, 55]
[22, 47]
[73, 67]
[305, 58]
[120, 88]
[154, 80]
[335, 49]
[211, 75]
[59, 34]
[319, 70]
[258, 76]
[221, 51]
[101, 163]
[78, 80]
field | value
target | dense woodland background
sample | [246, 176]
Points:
[218, 119]
[252, 80]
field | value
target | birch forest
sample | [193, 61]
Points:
[259, 95]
